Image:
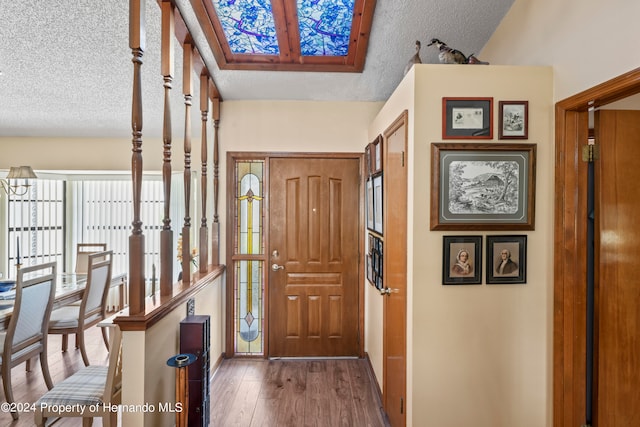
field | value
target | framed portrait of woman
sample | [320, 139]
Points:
[462, 260]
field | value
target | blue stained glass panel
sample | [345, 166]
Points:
[248, 26]
[325, 26]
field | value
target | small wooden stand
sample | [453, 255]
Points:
[181, 362]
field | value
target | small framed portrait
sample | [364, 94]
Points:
[506, 259]
[462, 260]
[514, 120]
[467, 118]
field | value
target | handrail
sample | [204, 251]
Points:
[157, 307]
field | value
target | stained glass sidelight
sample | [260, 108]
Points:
[248, 268]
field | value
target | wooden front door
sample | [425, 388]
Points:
[617, 243]
[395, 273]
[314, 218]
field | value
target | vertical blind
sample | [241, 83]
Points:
[36, 224]
[46, 224]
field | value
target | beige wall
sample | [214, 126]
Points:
[146, 376]
[586, 41]
[478, 354]
[83, 154]
[290, 126]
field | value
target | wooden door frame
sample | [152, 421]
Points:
[401, 121]
[570, 269]
[232, 156]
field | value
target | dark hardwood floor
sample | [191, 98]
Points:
[29, 386]
[244, 392]
[294, 393]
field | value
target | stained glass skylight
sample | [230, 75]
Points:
[287, 35]
[325, 26]
[248, 25]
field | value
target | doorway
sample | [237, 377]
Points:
[314, 257]
[395, 272]
[294, 287]
[612, 404]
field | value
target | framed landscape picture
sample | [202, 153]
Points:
[483, 186]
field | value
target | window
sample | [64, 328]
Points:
[248, 256]
[36, 225]
[62, 210]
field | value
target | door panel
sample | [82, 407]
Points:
[395, 274]
[617, 325]
[313, 229]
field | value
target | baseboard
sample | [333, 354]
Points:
[374, 381]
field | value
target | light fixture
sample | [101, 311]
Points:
[18, 172]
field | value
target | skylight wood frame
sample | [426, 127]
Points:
[286, 24]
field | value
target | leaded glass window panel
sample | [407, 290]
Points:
[249, 263]
[325, 26]
[248, 25]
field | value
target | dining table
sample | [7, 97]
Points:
[69, 289]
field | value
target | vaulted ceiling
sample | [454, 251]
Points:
[66, 66]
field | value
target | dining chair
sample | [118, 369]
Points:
[83, 250]
[75, 318]
[26, 335]
[92, 391]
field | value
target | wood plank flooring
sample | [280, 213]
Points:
[244, 392]
[294, 393]
[29, 386]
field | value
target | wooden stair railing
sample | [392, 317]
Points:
[172, 26]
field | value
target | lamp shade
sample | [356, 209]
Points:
[21, 172]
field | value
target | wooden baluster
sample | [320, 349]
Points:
[215, 226]
[204, 110]
[166, 235]
[187, 70]
[136, 240]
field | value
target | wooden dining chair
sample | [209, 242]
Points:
[26, 336]
[83, 250]
[95, 389]
[75, 318]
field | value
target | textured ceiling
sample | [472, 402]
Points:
[66, 66]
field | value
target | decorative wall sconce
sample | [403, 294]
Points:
[17, 172]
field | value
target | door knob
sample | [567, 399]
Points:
[276, 267]
[385, 291]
